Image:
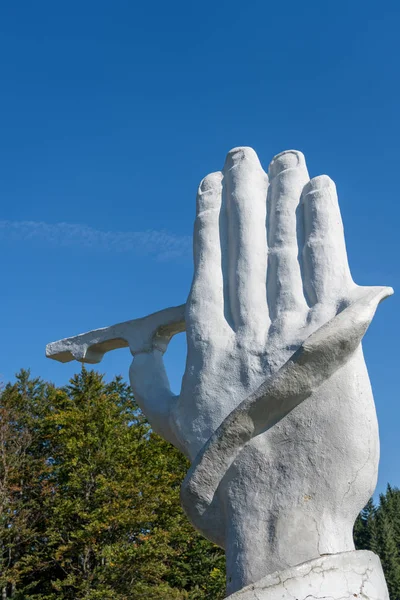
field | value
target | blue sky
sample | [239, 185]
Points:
[112, 112]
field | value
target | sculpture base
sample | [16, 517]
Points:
[344, 576]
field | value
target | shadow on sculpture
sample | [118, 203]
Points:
[276, 411]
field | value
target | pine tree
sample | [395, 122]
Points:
[378, 529]
[366, 529]
[392, 504]
[389, 554]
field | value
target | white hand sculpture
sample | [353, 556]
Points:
[276, 410]
[270, 270]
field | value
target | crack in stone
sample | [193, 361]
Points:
[352, 482]
[350, 571]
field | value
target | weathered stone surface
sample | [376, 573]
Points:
[276, 410]
[343, 576]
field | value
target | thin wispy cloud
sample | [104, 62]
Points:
[162, 245]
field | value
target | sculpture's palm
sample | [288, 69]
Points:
[270, 269]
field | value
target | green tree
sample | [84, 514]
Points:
[24, 472]
[389, 554]
[378, 529]
[108, 519]
[366, 529]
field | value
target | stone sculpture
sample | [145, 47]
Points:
[276, 411]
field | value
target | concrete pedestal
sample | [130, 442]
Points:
[344, 576]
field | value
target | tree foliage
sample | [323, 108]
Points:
[89, 500]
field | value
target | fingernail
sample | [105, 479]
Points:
[210, 182]
[237, 155]
[209, 192]
[289, 159]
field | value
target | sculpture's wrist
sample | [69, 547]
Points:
[156, 344]
[150, 385]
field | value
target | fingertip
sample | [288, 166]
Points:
[210, 182]
[321, 182]
[240, 155]
[369, 298]
[289, 159]
[209, 192]
[384, 292]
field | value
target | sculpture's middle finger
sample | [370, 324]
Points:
[246, 186]
[288, 175]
